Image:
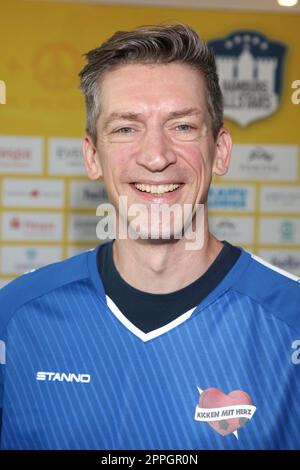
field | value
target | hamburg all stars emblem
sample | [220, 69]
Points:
[250, 68]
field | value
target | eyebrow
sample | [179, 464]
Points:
[185, 112]
[122, 116]
[131, 116]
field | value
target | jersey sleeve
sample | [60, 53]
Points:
[2, 366]
[8, 300]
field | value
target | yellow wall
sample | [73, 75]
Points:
[31, 29]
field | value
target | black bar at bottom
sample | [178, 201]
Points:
[135, 459]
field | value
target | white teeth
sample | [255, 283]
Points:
[156, 189]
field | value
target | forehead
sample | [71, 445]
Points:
[152, 85]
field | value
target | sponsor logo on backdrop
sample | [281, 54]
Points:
[83, 227]
[260, 154]
[18, 259]
[55, 66]
[287, 231]
[21, 154]
[231, 198]
[87, 195]
[32, 226]
[33, 192]
[233, 229]
[2, 92]
[263, 162]
[250, 68]
[65, 156]
[280, 230]
[280, 199]
[283, 259]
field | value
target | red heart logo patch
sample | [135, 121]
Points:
[215, 398]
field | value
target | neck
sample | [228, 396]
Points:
[161, 267]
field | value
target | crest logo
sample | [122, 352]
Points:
[250, 69]
[224, 413]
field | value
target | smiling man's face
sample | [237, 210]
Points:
[154, 136]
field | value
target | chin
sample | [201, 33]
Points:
[163, 234]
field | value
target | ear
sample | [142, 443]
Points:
[91, 159]
[222, 152]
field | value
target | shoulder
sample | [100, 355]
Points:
[39, 282]
[276, 290]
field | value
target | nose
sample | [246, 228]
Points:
[156, 152]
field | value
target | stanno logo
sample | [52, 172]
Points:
[56, 376]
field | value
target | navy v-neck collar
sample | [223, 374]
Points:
[222, 286]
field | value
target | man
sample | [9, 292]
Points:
[148, 342]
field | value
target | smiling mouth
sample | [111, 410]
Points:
[157, 189]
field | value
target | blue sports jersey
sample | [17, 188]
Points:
[76, 374]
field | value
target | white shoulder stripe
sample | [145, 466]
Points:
[274, 268]
[2, 353]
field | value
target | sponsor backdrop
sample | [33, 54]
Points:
[47, 204]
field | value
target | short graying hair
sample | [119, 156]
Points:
[157, 44]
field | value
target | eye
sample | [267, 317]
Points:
[124, 130]
[184, 127]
